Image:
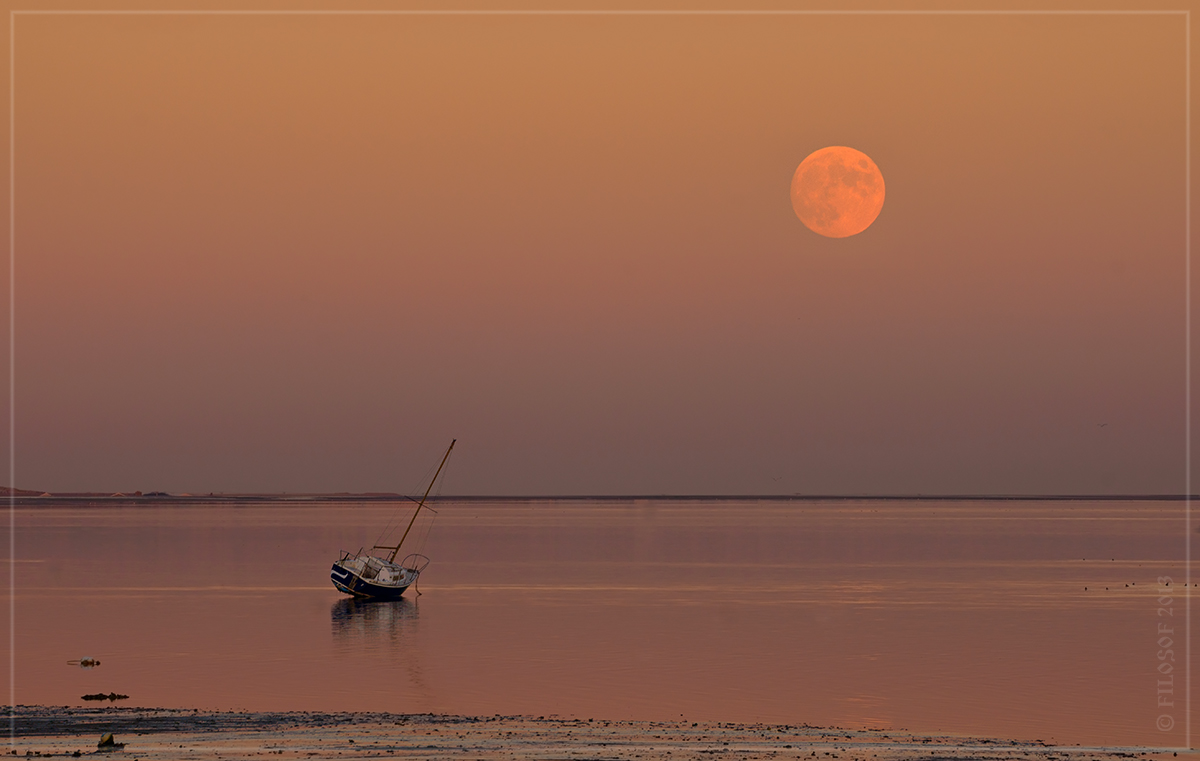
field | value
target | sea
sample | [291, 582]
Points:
[1064, 621]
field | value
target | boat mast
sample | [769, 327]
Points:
[392, 557]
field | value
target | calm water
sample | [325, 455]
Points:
[966, 617]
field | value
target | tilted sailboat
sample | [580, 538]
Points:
[366, 575]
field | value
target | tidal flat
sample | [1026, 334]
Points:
[182, 735]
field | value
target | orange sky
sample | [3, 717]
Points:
[301, 253]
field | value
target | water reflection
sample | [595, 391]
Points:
[968, 618]
[384, 632]
[358, 622]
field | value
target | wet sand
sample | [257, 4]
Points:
[149, 733]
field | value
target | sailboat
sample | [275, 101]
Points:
[382, 578]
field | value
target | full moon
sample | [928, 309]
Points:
[837, 191]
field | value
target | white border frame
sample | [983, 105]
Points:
[12, 244]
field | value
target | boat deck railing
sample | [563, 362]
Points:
[414, 562]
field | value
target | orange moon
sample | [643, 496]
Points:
[837, 191]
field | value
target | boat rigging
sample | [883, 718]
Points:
[367, 575]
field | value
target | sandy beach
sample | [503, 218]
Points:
[149, 733]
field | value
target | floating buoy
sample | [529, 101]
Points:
[86, 662]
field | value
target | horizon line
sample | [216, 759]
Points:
[223, 497]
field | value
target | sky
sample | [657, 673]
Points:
[303, 253]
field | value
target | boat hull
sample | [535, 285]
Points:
[349, 582]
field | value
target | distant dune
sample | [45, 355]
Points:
[8, 491]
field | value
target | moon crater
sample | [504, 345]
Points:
[837, 191]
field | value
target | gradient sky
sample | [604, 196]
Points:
[302, 253]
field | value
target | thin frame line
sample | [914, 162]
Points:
[1187, 375]
[631, 12]
[12, 377]
[964, 12]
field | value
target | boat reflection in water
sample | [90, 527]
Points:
[363, 622]
[387, 632]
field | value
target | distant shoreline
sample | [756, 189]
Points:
[159, 498]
